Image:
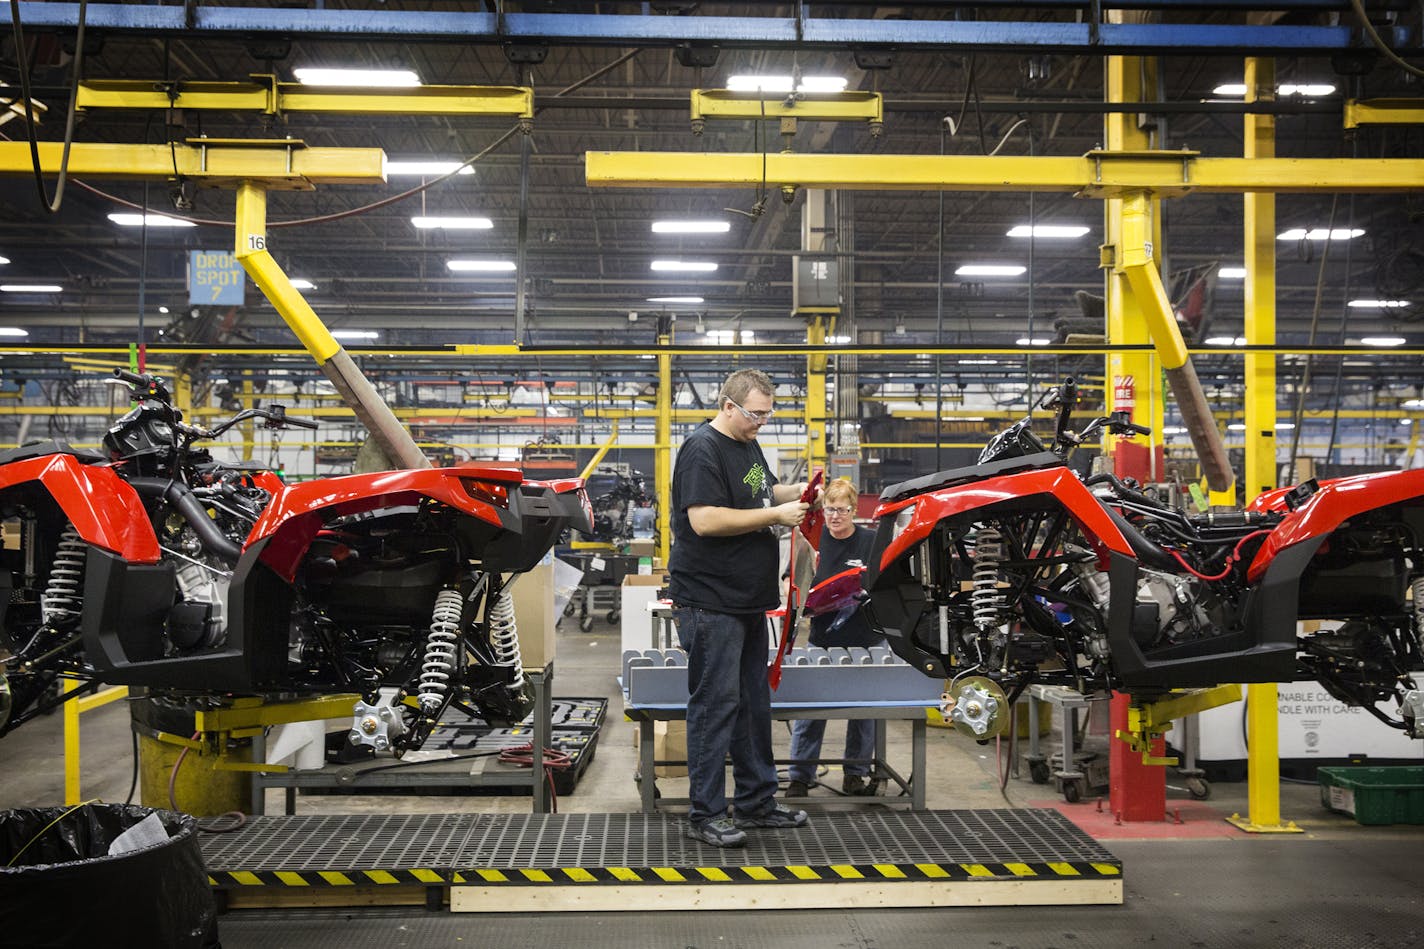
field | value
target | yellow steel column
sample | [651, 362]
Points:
[662, 448]
[1263, 774]
[251, 251]
[1125, 323]
[815, 407]
[183, 393]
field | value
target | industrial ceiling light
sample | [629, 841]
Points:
[430, 168]
[1378, 304]
[1320, 234]
[779, 84]
[152, 220]
[354, 334]
[481, 266]
[1173, 430]
[30, 288]
[452, 223]
[4, 260]
[1383, 341]
[838, 340]
[1226, 341]
[1032, 341]
[989, 270]
[1284, 89]
[691, 227]
[1236, 427]
[13, 331]
[302, 283]
[163, 309]
[978, 362]
[371, 78]
[1047, 230]
[675, 300]
[1231, 273]
[686, 266]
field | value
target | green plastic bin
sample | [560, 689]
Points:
[1374, 795]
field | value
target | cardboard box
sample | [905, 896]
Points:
[535, 615]
[645, 580]
[669, 744]
[641, 548]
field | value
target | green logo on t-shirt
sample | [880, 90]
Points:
[755, 479]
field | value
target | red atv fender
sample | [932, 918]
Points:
[1337, 500]
[1059, 483]
[104, 509]
[298, 512]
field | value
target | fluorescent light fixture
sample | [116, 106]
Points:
[431, 168]
[1035, 341]
[1378, 304]
[727, 337]
[30, 288]
[13, 331]
[838, 340]
[1319, 234]
[691, 227]
[4, 260]
[152, 220]
[989, 270]
[302, 283]
[1285, 89]
[1236, 427]
[1231, 273]
[383, 78]
[1285, 426]
[1226, 341]
[1406, 421]
[978, 362]
[1412, 404]
[481, 266]
[453, 223]
[163, 309]
[354, 334]
[674, 299]
[1173, 430]
[1383, 341]
[1047, 230]
[751, 83]
[689, 266]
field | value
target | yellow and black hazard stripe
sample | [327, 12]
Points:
[877, 872]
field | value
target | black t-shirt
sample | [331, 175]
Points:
[835, 556]
[727, 574]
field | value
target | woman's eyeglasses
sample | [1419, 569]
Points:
[836, 511]
[754, 416]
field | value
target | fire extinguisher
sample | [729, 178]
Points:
[1124, 394]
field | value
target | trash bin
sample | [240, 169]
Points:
[59, 885]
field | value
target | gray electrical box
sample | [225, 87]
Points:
[816, 282]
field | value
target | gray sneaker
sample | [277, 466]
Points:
[777, 815]
[719, 833]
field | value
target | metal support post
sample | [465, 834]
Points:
[662, 451]
[543, 682]
[72, 710]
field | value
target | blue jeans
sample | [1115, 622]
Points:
[728, 710]
[806, 736]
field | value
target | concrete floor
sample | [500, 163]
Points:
[1199, 884]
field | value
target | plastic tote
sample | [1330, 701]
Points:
[59, 885]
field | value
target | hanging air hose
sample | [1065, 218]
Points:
[987, 598]
[64, 593]
[504, 637]
[441, 647]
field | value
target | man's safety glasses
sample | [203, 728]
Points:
[754, 416]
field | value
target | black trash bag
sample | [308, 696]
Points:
[59, 886]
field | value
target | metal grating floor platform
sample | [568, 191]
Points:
[509, 852]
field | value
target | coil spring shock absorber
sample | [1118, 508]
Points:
[63, 596]
[986, 597]
[441, 647]
[1418, 590]
[504, 636]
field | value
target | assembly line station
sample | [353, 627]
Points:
[914, 217]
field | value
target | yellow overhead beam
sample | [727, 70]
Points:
[1383, 112]
[1097, 174]
[831, 107]
[283, 164]
[265, 94]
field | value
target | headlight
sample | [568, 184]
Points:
[902, 520]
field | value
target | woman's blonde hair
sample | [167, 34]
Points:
[840, 488]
